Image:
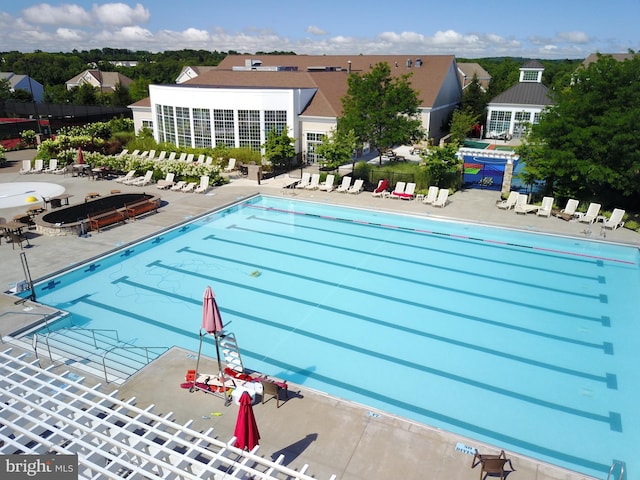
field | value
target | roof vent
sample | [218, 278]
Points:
[409, 63]
[418, 62]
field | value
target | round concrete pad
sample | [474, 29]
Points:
[15, 194]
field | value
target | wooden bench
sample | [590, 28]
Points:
[136, 209]
[105, 219]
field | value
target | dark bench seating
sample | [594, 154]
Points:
[136, 209]
[105, 219]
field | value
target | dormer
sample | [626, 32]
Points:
[531, 72]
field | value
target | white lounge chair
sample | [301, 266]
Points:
[52, 167]
[545, 207]
[189, 187]
[357, 187]
[179, 185]
[26, 167]
[201, 158]
[204, 184]
[126, 178]
[189, 158]
[38, 166]
[510, 202]
[304, 181]
[123, 152]
[141, 181]
[615, 221]
[61, 170]
[381, 189]
[231, 166]
[161, 156]
[167, 182]
[345, 185]
[183, 157]
[327, 186]
[522, 206]
[443, 196]
[431, 196]
[569, 211]
[172, 156]
[135, 153]
[591, 214]
[409, 191]
[152, 154]
[314, 183]
[398, 190]
[208, 161]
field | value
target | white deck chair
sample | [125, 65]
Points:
[510, 202]
[357, 186]
[345, 185]
[38, 166]
[60, 170]
[161, 156]
[522, 206]
[432, 195]
[152, 154]
[314, 183]
[183, 157]
[569, 211]
[135, 152]
[144, 154]
[126, 178]
[26, 167]
[123, 152]
[204, 184]
[189, 187]
[189, 158]
[409, 191]
[231, 166]
[399, 190]
[545, 208]
[52, 167]
[327, 186]
[304, 181]
[381, 189]
[179, 185]
[615, 221]
[142, 181]
[443, 196]
[167, 182]
[208, 161]
[201, 158]
[591, 214]
[172, 156]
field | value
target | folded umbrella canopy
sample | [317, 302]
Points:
[246, 431]
[211, 323]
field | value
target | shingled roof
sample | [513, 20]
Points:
[524, 94]
[328, 74]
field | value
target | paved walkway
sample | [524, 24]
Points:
[331, 435]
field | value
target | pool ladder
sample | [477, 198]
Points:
[613, 467]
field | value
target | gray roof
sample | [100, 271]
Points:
[533, 64]
[524, 94]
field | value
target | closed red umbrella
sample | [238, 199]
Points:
[80, 156]
[246, 431]
[211, 323]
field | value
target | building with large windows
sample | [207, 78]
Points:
[510, 113]
[237, 103]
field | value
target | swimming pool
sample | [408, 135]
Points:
[520, 340]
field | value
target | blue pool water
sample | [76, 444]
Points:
[524, 341]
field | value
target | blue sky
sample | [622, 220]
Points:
[542, 29]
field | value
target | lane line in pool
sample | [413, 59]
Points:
[371, 353]
[433, 232]
[501, 299]
[608, 379]
[460, 254]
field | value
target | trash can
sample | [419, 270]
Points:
[255, 173]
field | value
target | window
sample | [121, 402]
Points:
[223, 127]
[499, 122]
[530, 76]
[201, 128]
[249, 129]
[166, 127]
[274, 119]
[536, 117]
[183, 124]
[313, 140]
[147, 124]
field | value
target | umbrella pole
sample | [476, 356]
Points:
[218, 356]
[199, 350]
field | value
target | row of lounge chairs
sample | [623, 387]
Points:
[183, 157]
[518, 201]
[168, 183]
[39, 167]
[312, 182]
[435, 196]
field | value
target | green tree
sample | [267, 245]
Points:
[337, 148]
[380, 109]
[474, 99]
[5, 89]
[279, 148]
[443, 165]
[121, 96]
[85, 94]
[462, 123]
[139, 89]
[587, 145]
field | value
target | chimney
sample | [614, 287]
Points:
[408, 63]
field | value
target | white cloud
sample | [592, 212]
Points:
[64, 14]
[574, 37]
[121, 14]
[68, 34]
[313, 30]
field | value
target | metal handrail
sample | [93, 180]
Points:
[613, 466]
[146, 350]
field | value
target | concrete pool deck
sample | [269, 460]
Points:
[332, 436]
